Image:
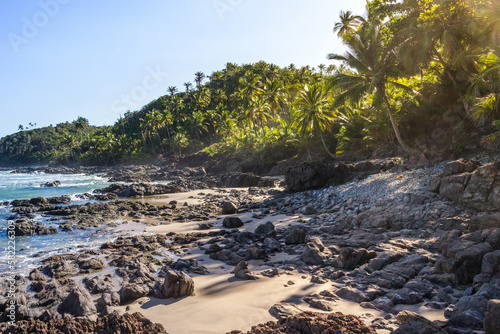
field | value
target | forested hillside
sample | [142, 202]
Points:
[422, 74]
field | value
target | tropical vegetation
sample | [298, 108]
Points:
[423, 75]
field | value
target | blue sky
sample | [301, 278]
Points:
[60, 59]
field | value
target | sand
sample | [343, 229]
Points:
[222, 302]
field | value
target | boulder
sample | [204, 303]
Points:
[413, 323]
[229, 208]
[78, 303]
[232, 222]
[315, 175]
[315, 253]
[176, 285]
[265, 230]
[131, 292]
[241, 271]
[284, 310]
[51, 184]
[491, 322]
[297, 235]
[350, 258]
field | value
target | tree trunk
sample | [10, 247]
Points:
[326, 148]
[405, 147]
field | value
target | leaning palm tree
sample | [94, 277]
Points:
[375, 65]
[312, 114]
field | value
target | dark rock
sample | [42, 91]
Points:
[313, 323]
[315, 253]
[413, 323]
[297, 235]
[265, 230]
[113, 323]
[491, 322]
[314, 175]
[229, 208]
[78, 303]
[51, 184]
[232, 222]
[38, 201]
[350, 258]
[226, 256]
[91, 265]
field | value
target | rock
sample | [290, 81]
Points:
[265, 230]
[38, 201]
[99, 284]
[78, 303]
[132, 292]
[36, 275]
[350, 258]
[176, 285]
[350, 293]
[226, 256]
[205, 226]
[297, 235]
[491, 322]
[232, 222]
[271, 245]
[229, 208]
[241, 271]
[413, 323]
[91, 265]
[315, 175]
[309, 210]
[478, 189]
[284, 310]
[59, 269]
[112, 323]
[314, 323]
[51, 184]
[315, 253]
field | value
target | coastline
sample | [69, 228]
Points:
[371, 247]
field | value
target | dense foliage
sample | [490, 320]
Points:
[424, 74]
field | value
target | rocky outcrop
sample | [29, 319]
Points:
[134, 323]
[313, 323]
[140, 189]
[176, 285]
[477, 188]
[315, 252]
[315, 175]
[26, 227]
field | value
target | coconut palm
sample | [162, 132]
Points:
[188, 86]
[199, 76]
[348, 24]
[375, 66]
[172, 90]
[312, 112]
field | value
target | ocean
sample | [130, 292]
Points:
[30, 250]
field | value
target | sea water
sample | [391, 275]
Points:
[30, 250]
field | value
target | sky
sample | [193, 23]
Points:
[60, 59]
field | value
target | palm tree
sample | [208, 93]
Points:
[375, 66]
[188, 86]
[259, 111]
[348, 24]
[312, 113]
[199, 76]
[172, 90]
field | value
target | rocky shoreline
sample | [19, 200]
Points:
[402, 249]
